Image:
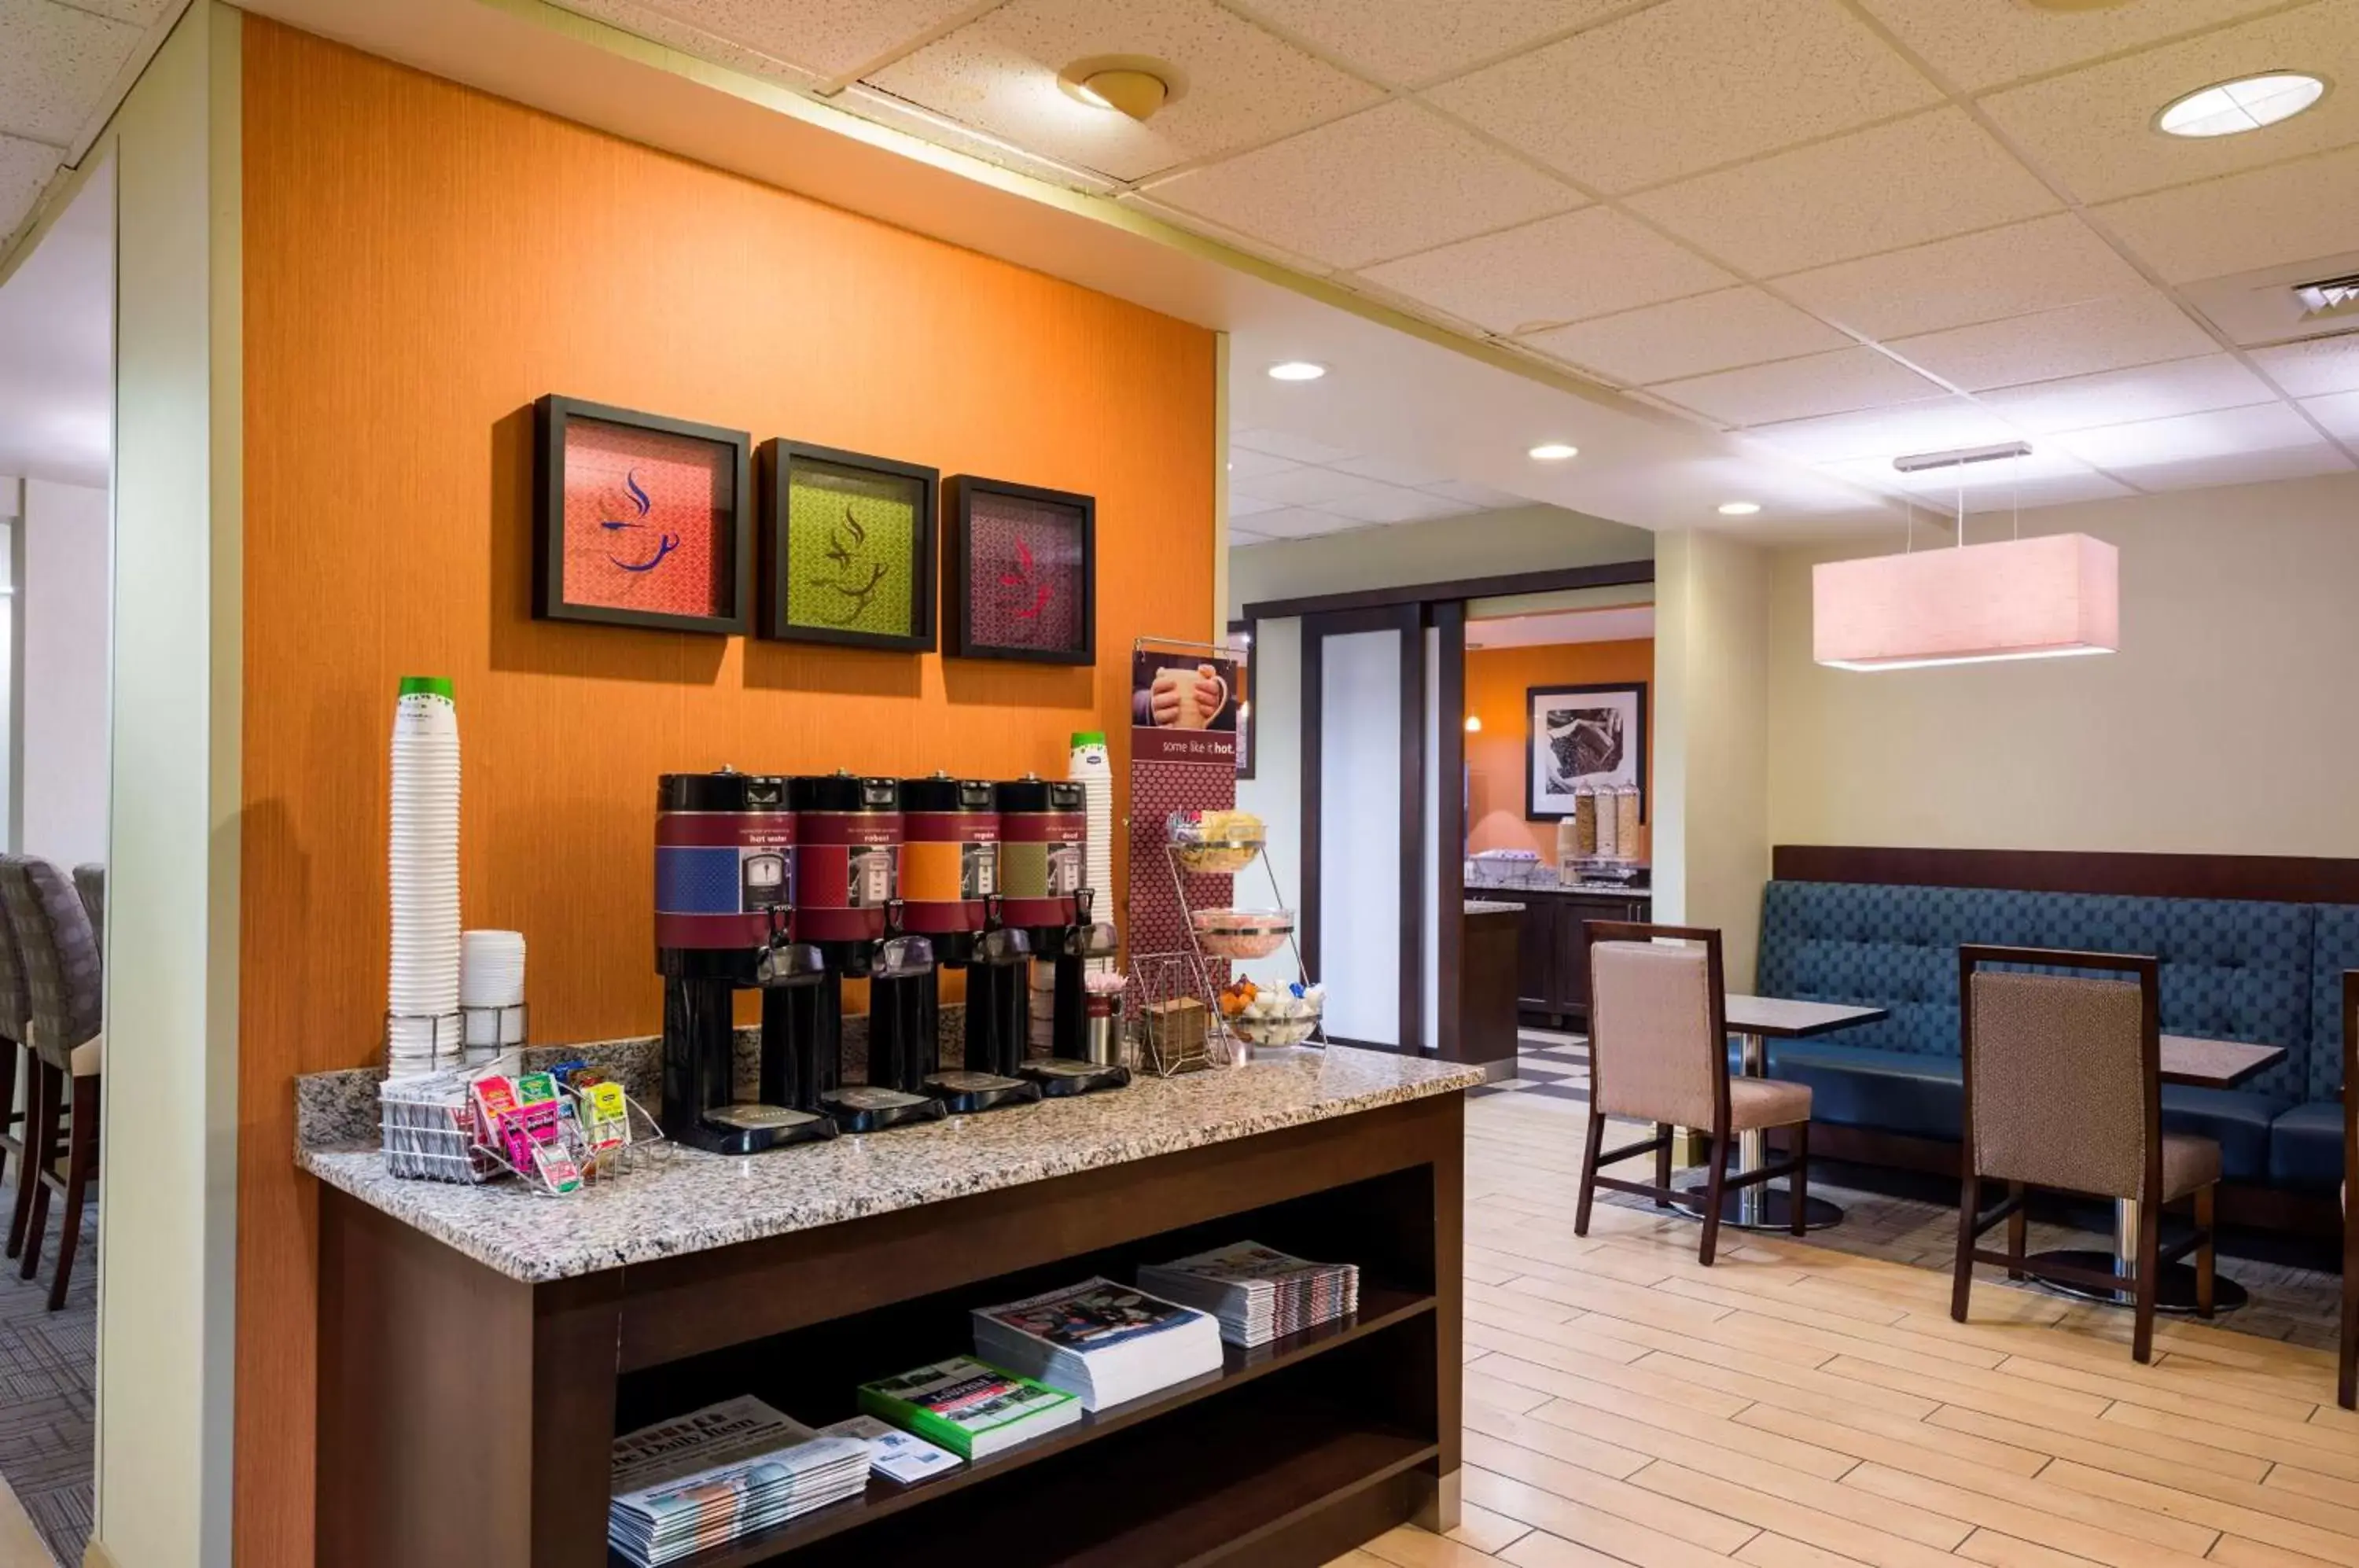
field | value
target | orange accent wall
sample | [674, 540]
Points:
[421, 262]
[1496, 680]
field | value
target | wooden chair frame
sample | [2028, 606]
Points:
[1718, 1182]
[1972, 1220]
[2346, 1382]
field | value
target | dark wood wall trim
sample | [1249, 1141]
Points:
[2281, 879]
[1450, 826]
[1410, 621]
[1613, 574]
[1310, 760]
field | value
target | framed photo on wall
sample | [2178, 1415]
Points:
[639, 520]
[847, 549]
[1577, 736]
[1240, 638]
[1021, 563]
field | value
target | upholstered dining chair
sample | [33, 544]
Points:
[16, 1060]
[1659, 1052]
[89, 881]
[61, 981]
[2346, 1381]
[2063, 1090]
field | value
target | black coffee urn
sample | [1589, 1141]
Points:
[949, 880]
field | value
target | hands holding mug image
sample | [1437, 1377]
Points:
[1184, 697]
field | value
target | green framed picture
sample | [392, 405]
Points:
[847, 549]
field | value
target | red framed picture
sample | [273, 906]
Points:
[1022, 571]
[640, 520]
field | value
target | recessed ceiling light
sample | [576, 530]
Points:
[2247, 103]
[1132, 84]
[1554, 452]
[1296, 370]
[1739, 509]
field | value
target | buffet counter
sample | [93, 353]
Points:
[480, 1347]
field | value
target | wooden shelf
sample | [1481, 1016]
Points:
[1330, 1456]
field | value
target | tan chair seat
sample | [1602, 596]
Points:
[90, 1057]
[1767, 1103]
[2187, 1162]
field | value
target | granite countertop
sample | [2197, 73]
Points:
[1492, 906]
[692, 1201]
[1585, 890]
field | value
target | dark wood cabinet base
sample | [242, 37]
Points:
[466, 1418]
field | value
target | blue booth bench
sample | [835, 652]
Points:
[2234, 968]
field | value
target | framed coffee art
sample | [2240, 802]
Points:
[639, 520]
[1582, 736]
[847, 549]
[1021, 563]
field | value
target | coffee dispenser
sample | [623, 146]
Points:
[1044, 834]
[949, 878]
[725, 893]
[847, 870]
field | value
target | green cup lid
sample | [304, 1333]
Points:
[427, 686]
[1089, 737]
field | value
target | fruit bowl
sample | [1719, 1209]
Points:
[1217, 859]
[1242, 933]
[1216, 843]
[1299, 1023]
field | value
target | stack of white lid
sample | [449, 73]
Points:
[423, 1029]
[491, 991]
[1092, 768]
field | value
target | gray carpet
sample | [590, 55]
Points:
[48, 1362]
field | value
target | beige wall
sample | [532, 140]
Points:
[2223, 726]
[1711, 838]
[1528, 538]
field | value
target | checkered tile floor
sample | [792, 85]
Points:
[1552, 1066]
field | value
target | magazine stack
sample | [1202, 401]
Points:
[1257, 1292]
[969, 1408]
[1105, 1342]
[721, 1472]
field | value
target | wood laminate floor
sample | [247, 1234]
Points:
[1799, 1407]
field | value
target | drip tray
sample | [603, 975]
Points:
[863, 1109]
[1058, 1077]
[966, 1092]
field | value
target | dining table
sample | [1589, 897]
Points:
[1755, 1021]
[2194, 1064]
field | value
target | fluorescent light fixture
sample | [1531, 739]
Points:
[1554, 452]
[1296, 370]
[1739, 509]
[2247, 103]
[2058, 596]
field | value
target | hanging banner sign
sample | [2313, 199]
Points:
[1184, 707]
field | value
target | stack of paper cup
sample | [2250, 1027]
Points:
[422, 1028]
[1092, 768]
[491, 991]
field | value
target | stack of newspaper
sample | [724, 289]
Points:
[1104, 1341]
[708, 1478]
[1257, 1292]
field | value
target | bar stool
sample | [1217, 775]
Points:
[2063, 1090]
[63, 987]
[1659, 1052]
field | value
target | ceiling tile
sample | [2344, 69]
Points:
[1205, 228]
[1302, 522]
[2243, 468]
[2043, 479]
[2309, 369]
[883, 109]
[1238, 536]
[1901, 184]
[1410, 41]
[1480, 496]
[25, 167]
[1981, 43]
[2103, 334]
[1391, 470]
[673, 28]
[1559, 269]
[1313, 487]
[2124, 397]
[1395, 506]
[1279, 444]
[1395, 179]
[1245, 84]
[2007, 271]
[1244, 505]
[1246, 464]
[57, 67]
[1932, 424]
[2124, 449]
[138, 13]
[2094, 128]
[2339, 414]
[1835, 382]
[2266, 217]
[1688, 85]
[1689, 337]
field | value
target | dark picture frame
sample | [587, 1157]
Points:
[590, 595]
[994, 591]
[842, 567]
[1241, 648]
[1625, 699]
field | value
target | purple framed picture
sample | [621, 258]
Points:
[1022, 569]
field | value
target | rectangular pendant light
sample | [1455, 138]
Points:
[2048, 597]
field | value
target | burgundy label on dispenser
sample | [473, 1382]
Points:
[847, 867]
[719, 875]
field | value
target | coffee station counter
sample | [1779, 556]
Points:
[692, 1201]
[480, 1349]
